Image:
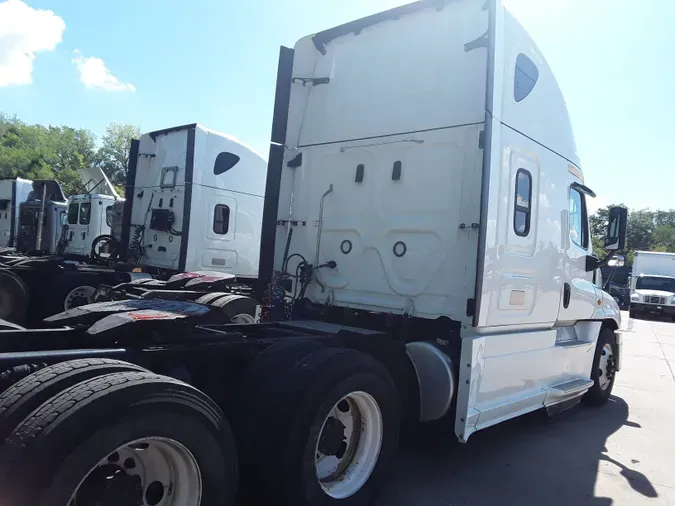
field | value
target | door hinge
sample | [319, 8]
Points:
[470, 307]
[481, 139]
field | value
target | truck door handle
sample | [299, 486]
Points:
[567, 295]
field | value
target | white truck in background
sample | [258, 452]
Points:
[89, 214]
[12, 193]
[426, 252]
[194, 202]
[652, 289]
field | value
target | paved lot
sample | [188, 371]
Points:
[620, 454]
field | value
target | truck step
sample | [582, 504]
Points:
[571, 387]
[573, 343]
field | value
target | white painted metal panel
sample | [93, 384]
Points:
[405, 92]
[241, 188]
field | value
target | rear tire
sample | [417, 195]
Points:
[603, 376]
[237, 308]
[290, 421]
[28, 394]
[13, 297]
[66, 285]
[76, 443]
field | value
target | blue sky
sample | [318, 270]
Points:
[171, 62]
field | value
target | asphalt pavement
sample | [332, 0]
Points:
[619, 454]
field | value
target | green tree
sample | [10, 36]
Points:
[113, 155]
[664, 238]
[38, 152]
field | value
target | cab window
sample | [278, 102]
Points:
[85, 213]
[523, 203]
[221, 219]
[27, 217]
[578, 219]
[73, 213]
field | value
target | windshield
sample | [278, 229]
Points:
[653, 283]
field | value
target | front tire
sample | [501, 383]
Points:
[333, 417]
[603, 373]
[123, 438]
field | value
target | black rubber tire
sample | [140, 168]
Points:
[46, 456]
[233, 305]
[61, 285]
[596, 396]
[208, 298]
[14, 297]
[284, 417]
[273, 361]
[28, 394]
[114, 248]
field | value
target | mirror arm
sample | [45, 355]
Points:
[593, 263]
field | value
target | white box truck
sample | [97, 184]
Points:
[426, 256]
[652, 288]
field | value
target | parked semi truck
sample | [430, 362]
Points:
[653, 284]
[425, 256]
[194, 203]
[40, 218]
[12, 193]
[89, 215]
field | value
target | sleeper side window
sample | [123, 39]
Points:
[224, 162]
[85, 213]
[221, 219]
[522, 214]
[578, 219]
[525, 78]
[73, 213]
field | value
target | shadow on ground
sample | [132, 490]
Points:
[532, 460]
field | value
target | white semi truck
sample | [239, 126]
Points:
[194, 203]
[652, 288]
[89, 213]
[426, 256]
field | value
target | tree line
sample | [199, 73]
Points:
[647, 231]
[60, 152]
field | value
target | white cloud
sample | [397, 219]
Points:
[25, 31]
[94, 74]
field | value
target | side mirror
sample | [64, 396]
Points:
[615, 240]
[616, 261]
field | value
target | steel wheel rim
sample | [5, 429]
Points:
[344, 473]
[157, 472]
[606, 366]
[83, 292]
[243, 318]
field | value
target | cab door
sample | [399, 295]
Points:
[578, 297]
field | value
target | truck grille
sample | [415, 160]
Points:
[656, 300]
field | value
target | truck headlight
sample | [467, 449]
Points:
[635, 298]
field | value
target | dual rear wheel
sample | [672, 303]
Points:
[313, 426]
